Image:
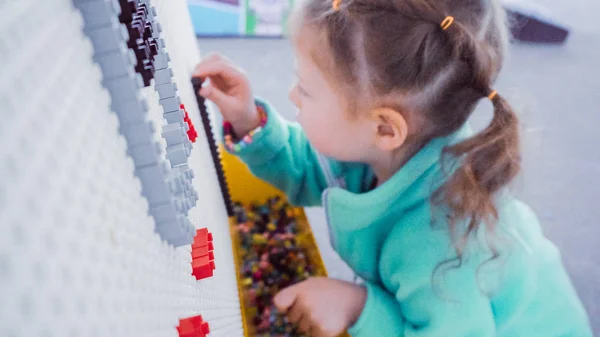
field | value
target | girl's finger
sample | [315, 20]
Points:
[286, 298]
[295, 314]
[218, 97]
[217, 68]
[305, 324]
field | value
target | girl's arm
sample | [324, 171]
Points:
[281, 155]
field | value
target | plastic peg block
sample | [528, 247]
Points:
[166, 90]
[175, 228]
[117, 63]
[193, 327]
[98, 13]
[203, 268]
[176, 184]
[194, 197]
[153, 182]
[201, 252]
[189, 174]
[174, 116]
[185, 125]
[202, 243]
[124, 88]
[153, 47]
[202, 238]
[173, 134]
[108, 38]
[202, 233]
[180, 207]
[138, 134]
[165, 212]
[132, 112]
[145, 154]
[163, 76]
[177, 238]
[192, 134]
[128, 10]
[161, 60]
[178, 154]
[170, 104]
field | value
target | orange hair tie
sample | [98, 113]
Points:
[336, 5]
[447, 22]
[492, 95]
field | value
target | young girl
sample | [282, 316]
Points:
[416, 202]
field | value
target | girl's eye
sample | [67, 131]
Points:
[302, 91]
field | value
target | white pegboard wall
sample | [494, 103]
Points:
[78, 251]
[182, 46]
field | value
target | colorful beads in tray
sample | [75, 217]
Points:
[271, 261]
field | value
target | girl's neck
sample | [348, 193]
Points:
[384, 166]
[384, 170]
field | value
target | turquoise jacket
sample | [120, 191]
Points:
[390, 239]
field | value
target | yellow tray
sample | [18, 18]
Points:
[246, 188]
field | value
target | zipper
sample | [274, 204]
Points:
[332, 241]
[324, 164]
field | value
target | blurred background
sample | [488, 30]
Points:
[554, 86]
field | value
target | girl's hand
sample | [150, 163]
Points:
[322, 307]
[230, 90]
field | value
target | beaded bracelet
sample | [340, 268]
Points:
[232, 141]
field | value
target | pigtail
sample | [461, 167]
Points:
[487, 162]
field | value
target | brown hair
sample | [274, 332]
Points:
[397, 50]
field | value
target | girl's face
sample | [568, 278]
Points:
[333, 131]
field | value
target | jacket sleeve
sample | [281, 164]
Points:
[281, 155]
[417, 298]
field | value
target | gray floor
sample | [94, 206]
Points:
[556, 90]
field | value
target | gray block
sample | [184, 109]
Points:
[146, 154]
[166, 90]
[108, 37]
[163, 76]
[125, 88]
[174, 134]
[175, 116]
[138, 134]
[117, 63]
[161, 60]
[178, 154]
[165, 212]
[178, 232]
[170, 104]
[154, 187]
[134, 111]
[98, 13]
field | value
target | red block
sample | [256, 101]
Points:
[203, 251]
[202, 254]
[193, 327]
[209, 245]
[202, 238]
[192, 134]
[202, 267]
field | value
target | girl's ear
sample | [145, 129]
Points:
[391, 128]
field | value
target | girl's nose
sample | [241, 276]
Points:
[294, 97]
